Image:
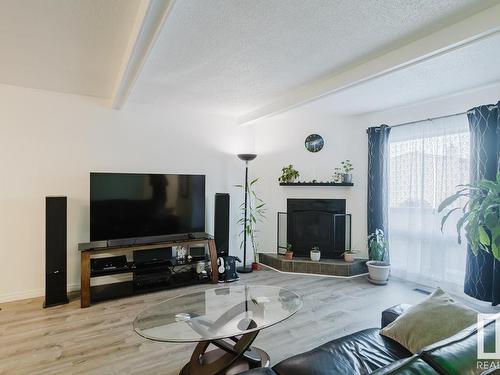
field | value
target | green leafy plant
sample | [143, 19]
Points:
[256, 212]
[480, 215]
[338, 174]
[288, 174]
[289, 247]
[378, 247]
[347, 166]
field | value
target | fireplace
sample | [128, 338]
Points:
[316, 222]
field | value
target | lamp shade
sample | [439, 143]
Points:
[247, 157]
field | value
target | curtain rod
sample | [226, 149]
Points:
[429, 119]
[436, 118]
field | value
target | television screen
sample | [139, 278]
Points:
[129, 205]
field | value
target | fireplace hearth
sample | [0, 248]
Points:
[317, 222]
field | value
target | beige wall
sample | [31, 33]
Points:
[50, 142]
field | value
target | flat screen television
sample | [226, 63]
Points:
[133, 205]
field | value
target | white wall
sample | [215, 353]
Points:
[50, 142]
[279, 141]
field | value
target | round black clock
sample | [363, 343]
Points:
[314, 142]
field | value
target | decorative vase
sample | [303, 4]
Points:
[379, 271]
[349, 257]
[289, 255]
[315, 255]
[347, 178]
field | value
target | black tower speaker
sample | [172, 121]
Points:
[55, 251]
[221, 223]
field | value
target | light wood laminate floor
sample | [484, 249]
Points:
[100, 339]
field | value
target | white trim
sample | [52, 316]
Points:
[151, 17]
[481, 25]
[313, 274]
[34, 293]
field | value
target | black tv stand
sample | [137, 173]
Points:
[121, 289]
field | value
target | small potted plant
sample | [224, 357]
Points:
[378, 267]
[347, 168]
[288, 174]
[289, 252]
[349, 256]
[338, 175]
[315, 254]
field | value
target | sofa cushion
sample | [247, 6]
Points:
[458, 354]
[359, 353]
[434, 319]
[407, 366]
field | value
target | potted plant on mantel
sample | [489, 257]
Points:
[378, 267]
[343, 173]
[288, 174]
[289, 252]
[480, 215]
[347, 169]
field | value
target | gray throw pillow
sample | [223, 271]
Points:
[432, 320]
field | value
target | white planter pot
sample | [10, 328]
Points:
[349, 257]
[315, 255]
[379, 271]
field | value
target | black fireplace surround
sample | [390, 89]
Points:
[311, 222]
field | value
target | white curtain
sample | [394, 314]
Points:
[427, 162]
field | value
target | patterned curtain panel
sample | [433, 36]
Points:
[482, 273]
[378, 178]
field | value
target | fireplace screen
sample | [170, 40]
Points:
[312, 223]
[282, 242]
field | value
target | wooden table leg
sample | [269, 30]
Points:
[228, 359]
[212, 250]
[85, 279]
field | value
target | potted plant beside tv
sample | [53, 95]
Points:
[256, 212]
[378, 267]
[480, 215]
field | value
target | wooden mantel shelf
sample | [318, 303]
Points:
[316, 184]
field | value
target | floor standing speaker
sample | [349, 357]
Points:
[55, 251]
[221, 223]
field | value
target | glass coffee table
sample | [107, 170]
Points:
[229, 318]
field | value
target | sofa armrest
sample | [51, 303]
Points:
[392, 313]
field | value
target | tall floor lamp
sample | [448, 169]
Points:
[244, 269]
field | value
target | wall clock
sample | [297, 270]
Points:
[314, 142]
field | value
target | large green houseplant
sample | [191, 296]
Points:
[256, 212]
[480, 215]
[378, 250]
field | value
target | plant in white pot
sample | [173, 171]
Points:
[315, 254]
[349, 256]
[378, 249]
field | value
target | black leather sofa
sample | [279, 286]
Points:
[367, 352]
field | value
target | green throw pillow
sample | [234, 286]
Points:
[432, 320]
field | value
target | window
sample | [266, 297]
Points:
[427, 162]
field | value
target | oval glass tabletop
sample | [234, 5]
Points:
[217, 313]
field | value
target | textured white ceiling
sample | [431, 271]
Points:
[469, 67]
[232, 56]
[73, 46]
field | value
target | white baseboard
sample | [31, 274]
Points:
[34, 293]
